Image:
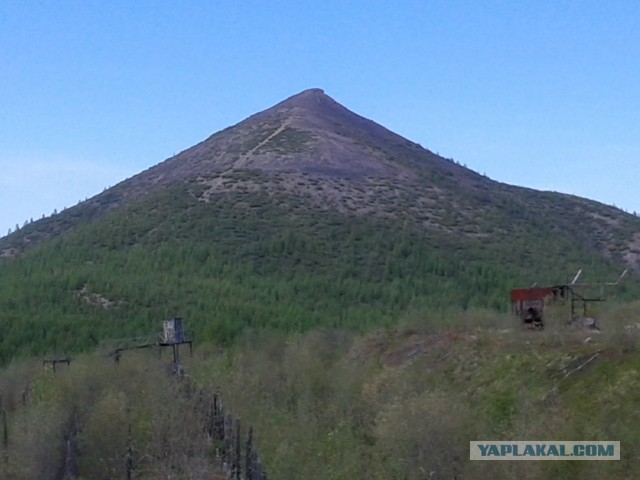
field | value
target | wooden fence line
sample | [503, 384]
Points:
[238, 457]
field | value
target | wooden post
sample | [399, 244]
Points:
[71, 459]
[129, 462]
[249, 456]
[211, 407]
[217, 427]
[257, 467]
[5, 433]
[5, 438]
[237, 458]
[129, 458]
[71, 456]
[227, 444]
[5, 429]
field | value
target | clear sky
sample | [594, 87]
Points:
[541, 93]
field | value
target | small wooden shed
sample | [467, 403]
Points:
[529, 303]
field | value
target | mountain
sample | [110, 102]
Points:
[311, 146]
[302, 215]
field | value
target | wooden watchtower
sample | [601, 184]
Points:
[173, 335]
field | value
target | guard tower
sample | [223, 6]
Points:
[173, 335]
[173, 331]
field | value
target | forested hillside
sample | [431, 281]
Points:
[305, 215]
[227, 269]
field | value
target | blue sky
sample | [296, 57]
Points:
[544, 94]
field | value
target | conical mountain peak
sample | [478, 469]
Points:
[312, 133]
[308, 133]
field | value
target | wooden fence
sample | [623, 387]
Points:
[232, 448]
[238, 456]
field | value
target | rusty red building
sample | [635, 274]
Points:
[529, 303]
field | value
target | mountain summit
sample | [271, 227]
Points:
[307, 133]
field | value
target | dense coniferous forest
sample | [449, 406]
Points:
[227, 269]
